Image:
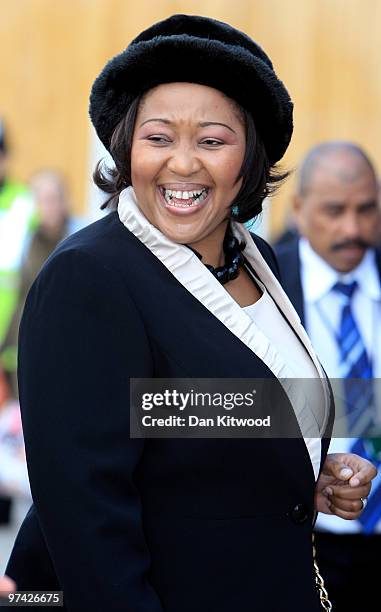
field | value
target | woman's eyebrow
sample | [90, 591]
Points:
[167, 121]
[202, 124]
[207, 123]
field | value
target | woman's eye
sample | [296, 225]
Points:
[212, 142]
[158, 139]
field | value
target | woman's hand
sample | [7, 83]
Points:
[344, 482]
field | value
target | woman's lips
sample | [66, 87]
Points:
[184, 209]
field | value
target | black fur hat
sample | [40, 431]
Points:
[197, 50]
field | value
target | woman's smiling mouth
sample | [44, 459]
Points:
[184, 201]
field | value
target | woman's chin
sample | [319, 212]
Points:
[181, 235]
[183, 229]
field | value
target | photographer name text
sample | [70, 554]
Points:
[192, 420]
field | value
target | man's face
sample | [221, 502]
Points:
[339, 212]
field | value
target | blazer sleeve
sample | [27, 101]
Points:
[81, 339]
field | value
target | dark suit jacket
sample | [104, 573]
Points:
[289, 266]
[168, 525]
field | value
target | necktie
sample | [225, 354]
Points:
[355, 366]
[356, 371]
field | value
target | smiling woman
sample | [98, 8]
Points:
[171, 285]
[188, 139]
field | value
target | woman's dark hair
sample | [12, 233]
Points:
[259, 178]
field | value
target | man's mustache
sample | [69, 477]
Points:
[357, 242]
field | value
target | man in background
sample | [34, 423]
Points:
[332, 274]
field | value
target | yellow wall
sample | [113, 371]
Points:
[326, 51]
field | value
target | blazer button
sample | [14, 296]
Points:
[299, 514]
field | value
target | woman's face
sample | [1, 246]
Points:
[187, 150]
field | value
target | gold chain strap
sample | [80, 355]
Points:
[324, 600]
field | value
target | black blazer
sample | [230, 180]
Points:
[156, 525]
[289, 266]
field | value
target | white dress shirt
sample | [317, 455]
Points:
[323, 308]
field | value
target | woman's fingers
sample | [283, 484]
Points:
[348, 516]
[349, 467]
[322, 504]
[365, 474]
[346, 501]
[347, 505]
[363, 470]
[347, 492]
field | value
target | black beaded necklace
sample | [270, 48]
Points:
[233, 259]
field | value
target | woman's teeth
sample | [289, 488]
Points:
[184, 199]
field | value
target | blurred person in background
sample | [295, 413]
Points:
[16, 218]
[332, 275]
[6, 584]
[54, 222]
[7, 587]
[289, 232]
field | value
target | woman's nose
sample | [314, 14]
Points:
[184, 162]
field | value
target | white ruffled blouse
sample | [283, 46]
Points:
[196, 278]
